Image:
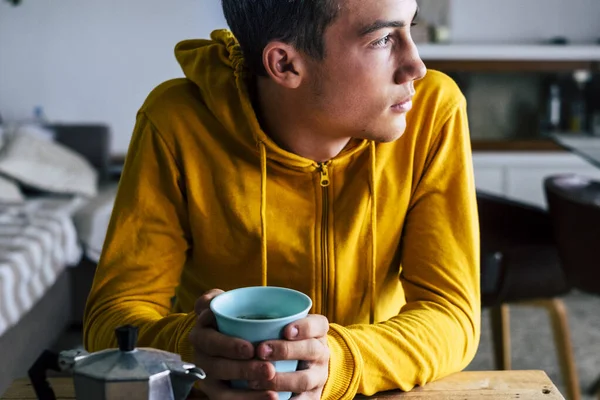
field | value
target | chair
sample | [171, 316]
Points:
[574, 204]
[519, 263]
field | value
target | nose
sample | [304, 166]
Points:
[410, 66]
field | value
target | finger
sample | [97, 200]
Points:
[203, 301]
[310, 327]
[212, 343]
[206, 318]
[219, 391]
[305, 350]
[295, 382]
[223, 369]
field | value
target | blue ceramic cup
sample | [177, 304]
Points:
[257, 314]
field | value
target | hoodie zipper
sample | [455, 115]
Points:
[325, 182]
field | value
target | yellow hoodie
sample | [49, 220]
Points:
[383, 232]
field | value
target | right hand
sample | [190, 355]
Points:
[224, 358]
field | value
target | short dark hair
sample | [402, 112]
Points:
[300, 23]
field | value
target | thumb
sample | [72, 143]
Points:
[204, 301]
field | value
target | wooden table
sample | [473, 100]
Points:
[488, 385]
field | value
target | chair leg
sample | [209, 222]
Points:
[595, 388]
[562, 338]
[500, 319]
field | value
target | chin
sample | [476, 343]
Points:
[385, 131]
[390, 134]
[391, 137]
[383, 137]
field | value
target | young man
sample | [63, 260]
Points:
[316, 155]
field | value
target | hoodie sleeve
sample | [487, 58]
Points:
[144, 251]
[437, 332]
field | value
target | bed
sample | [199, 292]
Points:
[49, 246]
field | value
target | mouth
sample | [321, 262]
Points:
[403, 106]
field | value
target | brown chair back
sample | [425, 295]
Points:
[519, 260]
[574, 205]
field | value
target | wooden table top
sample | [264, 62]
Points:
[488, 385]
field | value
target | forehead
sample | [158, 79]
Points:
[355, 14]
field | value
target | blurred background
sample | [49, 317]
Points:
[530, 70]
[96, 61]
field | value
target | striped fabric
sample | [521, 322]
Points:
[37, 242]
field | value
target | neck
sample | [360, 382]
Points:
[287, 121]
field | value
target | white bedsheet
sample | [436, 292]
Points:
[38, 240]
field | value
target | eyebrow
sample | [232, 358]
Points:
[380, 24]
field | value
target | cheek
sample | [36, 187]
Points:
[356, 93]
[359, 92]
[364, 72]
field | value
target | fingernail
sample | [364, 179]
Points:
[294, 332]
[268, 350]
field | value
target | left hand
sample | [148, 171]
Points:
[306, 340]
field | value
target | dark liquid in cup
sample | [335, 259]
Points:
[258, 317]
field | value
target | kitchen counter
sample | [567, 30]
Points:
[516, 145]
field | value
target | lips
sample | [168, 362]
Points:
[403, 106]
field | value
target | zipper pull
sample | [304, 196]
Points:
[325, 181]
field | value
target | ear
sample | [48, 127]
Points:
[284, 64]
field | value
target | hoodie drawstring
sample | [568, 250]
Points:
[373, 281]
[263, 211]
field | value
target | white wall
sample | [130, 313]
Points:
[90, 60]
[524, 20]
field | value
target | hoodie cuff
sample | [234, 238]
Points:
[345, 365]
[184, 347]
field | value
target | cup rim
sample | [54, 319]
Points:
[261, 321]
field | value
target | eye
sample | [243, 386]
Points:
[383, 42]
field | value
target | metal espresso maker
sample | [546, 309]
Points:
[125, 373]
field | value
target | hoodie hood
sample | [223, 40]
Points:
[218, 69]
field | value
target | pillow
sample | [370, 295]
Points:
[10, 192]
[48, 166]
